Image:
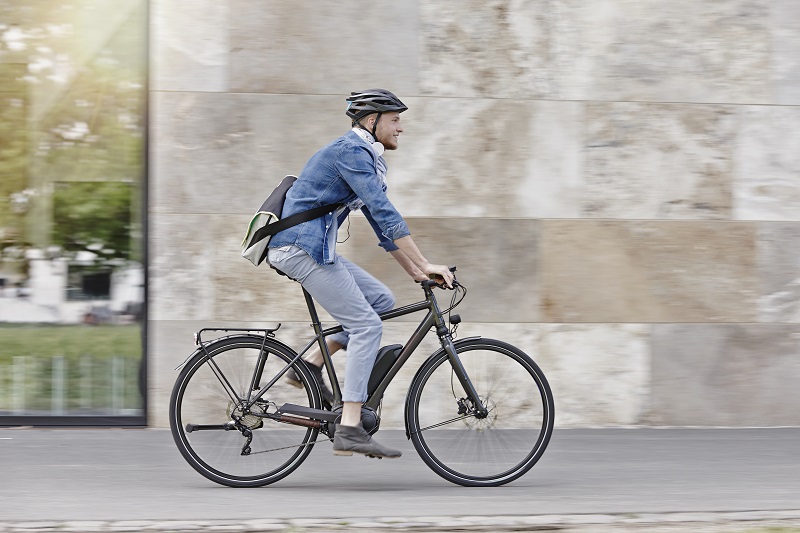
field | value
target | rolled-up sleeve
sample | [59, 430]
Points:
[383, 241]
[397, 231]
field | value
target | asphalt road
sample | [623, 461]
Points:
[103, 474]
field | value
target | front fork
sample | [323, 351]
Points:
[478, 409]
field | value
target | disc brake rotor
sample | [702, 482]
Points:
[488, 421]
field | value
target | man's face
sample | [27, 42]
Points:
[389, 129]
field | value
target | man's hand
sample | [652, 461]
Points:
[440, 274]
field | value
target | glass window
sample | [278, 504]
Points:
[73, 76]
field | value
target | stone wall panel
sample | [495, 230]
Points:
[189, 45]
[779, 271]
[726, 375]
[180, 269]
[313, 47]
[657, 161]
[681, 51]
[599, 373]
[204, 150]
[767, 163]
[648, 271]
[479, 48]
[496, 260]
[224, 153]
[784, 21]
[488, 158]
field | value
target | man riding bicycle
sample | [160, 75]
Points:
[351, 171]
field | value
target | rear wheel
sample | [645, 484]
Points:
[459, 444]
[212, 427]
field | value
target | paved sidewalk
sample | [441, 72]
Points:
[750, 522]
[588, 480]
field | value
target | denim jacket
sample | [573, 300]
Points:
[342, 172]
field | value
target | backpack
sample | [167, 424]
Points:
[267, 221]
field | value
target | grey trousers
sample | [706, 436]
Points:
[353, 298]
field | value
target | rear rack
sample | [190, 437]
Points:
[269, 332]
[198, 340]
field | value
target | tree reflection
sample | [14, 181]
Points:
[72, 162]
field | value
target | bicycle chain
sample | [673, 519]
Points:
[292, 446]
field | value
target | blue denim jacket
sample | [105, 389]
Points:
[343, 171]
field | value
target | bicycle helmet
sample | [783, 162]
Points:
[363, 103]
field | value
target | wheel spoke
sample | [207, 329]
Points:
[456, 419]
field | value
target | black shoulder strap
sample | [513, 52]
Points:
[292, 220]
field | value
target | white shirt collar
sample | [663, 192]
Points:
[377, 147]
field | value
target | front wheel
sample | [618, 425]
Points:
[460, 444]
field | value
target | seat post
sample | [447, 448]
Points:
[323, 346]
[312, 311]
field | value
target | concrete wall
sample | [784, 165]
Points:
[618, 182]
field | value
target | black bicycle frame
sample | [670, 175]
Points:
[434, 318]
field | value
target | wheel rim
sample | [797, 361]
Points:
[495, 449]
[276, 449]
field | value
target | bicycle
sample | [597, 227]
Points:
[479, 412]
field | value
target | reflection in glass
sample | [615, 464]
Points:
[72, 166]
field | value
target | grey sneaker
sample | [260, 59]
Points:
[293, 379]
[353, 439]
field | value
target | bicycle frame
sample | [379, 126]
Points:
[433, 318]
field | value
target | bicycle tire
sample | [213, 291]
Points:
[470, 451]
[199, 397]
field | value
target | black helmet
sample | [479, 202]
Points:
[363, 103]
